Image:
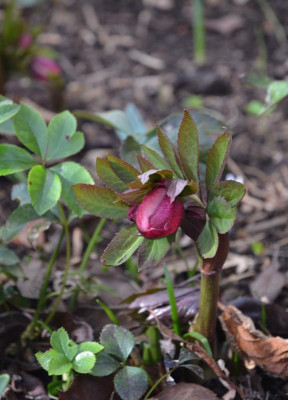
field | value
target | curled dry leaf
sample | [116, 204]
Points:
[185, 391]
[269, 353]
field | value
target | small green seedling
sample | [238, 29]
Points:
[66, 355]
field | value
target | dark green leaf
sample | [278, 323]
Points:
[151, 252]
[195, 369]
[208, 241]
[109, 177]
[155, 158]
[71, 173]
[169, 152]
[14, 159]
[20, 218]
[7, 256]
[117, 341]
[105, 364]
[61, 343]
[99, 201]
[217, 159]
[31, 130]
[231, 191]
[188, 147]
[122, 169]
[84, 362]
[131, 383]
[186, 355]
[221, 214]
[129, 149]
[44, 188]
[63, 141]
[123, 245]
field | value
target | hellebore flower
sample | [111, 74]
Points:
[45, 68]
[157, 216]
[25, 41]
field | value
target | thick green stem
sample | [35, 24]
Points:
[205, 322]
[42, 298]
[67, 264]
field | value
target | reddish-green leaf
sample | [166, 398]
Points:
[109, 177]
[99, 201]
[124, 244]
[155, 158]
[188, 147]
[169, 152]
[144, 164]
[217, 158]
[135, 196]
[122, 169]
[231, 191]
[151, 252]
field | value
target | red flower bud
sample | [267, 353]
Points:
[25, 41]
[45, 68]
[157, 216]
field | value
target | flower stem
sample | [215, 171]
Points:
[67, 264]
[92, 242]
[172, 301]
[158, 382]
[91, 245]
[205, 322]
[42, 298]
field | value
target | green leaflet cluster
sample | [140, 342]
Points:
[44, 146]
[66, 355]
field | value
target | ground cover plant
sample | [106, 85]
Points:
[142, 251]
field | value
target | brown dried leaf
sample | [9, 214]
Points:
[269, 353]
[185, 391]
